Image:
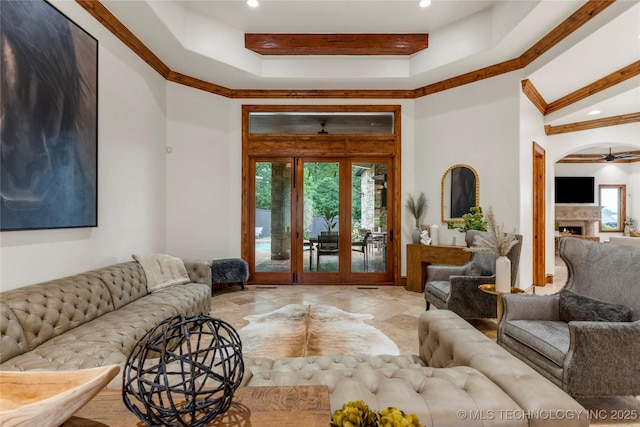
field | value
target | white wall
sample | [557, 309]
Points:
[478, 125]
[204, 174]
[556, 147]
[188, 202]
[131, 174]
[563, 144]
[204, 170]
[633, 194]
[532, 131]
[607, 173]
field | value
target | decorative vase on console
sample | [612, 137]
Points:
[415, 235]
[417, 208]
[435, 238]
[500, 243]
[503, 274]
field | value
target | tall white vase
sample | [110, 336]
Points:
[433, 233]
[503, 274]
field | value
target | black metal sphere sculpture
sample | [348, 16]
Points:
[183, 372]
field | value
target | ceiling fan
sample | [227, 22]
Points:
[322, 131]
[582, 157]
[611, 157]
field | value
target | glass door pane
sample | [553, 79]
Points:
[369, 217]
[272, 248]
[321, 208]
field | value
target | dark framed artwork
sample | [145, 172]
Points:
[463, 191]
[49, 128]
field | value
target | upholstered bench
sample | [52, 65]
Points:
[460, 378]
[229, 271]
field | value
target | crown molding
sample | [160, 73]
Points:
[585, 13]
[534, 96]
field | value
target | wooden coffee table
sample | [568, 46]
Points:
[251, 407]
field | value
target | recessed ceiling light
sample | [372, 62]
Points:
[425, 3]
[252, 3]
[594, 112]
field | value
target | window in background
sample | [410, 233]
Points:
[612, 198]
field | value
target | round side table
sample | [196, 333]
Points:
[490, 288]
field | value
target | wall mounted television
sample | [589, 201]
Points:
[575, 189]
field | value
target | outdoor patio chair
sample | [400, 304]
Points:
[362, 247]
[327, 245]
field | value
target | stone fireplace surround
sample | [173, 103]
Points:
[579, 215]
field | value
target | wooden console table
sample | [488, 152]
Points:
[420, 256]
[251, 407]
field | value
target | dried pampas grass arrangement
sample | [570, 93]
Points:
[498, 242]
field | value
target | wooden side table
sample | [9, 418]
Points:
[491, 289]
[251, 407]
[420, 256]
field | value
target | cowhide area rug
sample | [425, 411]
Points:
[312, 330]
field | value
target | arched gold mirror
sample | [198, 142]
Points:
[460, 191]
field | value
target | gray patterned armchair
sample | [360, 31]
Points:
[455, 288]
[585, 338]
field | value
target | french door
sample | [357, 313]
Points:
[321, 197]
[321, 220]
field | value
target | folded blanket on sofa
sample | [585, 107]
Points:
[162, 270]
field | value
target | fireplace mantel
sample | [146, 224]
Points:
[584, 216]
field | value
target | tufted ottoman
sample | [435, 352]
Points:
[460, 378]
[433, 394]
[230, 271]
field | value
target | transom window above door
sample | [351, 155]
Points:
[310, 123]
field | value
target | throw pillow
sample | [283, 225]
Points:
[579, 307]
[162, 271]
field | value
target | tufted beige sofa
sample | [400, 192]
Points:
[460, 378]
[91, 319]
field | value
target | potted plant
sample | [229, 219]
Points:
[499, 243]
[473, 220]
[417, 207]
[330, 219]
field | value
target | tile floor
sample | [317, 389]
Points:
[395, 309]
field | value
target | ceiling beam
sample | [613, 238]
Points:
[590, 158]
[592, 124]
[471, 77]
[577, 19]
[336, 44]
[604, 83]
[324, 93]
[565, 160]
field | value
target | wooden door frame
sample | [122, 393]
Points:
[539, 215]
[329, 145]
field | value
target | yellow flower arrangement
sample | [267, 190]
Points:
[358, 414]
